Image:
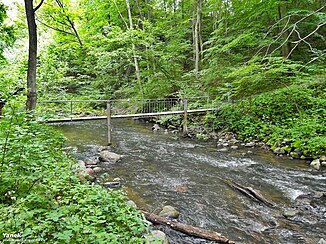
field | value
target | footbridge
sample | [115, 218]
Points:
[74, 110]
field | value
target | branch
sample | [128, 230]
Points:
[311, 33]
[292, 28]
[38, 6]
[72, 25]
[54, 28]
[116, 6]
[60, 22]
[312, 60]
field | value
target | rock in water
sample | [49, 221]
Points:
[113, 184]
[290, 213]
[106, 156]
[131, 204]
[156, 127]
[315, 164]
[279, 151]
[157, 237]
[97, 169]
[321, 241]
[250, 144]
[169, 212]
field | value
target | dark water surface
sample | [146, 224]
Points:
[161, 169]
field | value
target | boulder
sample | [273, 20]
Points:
[250, 144]
[97, 169]
[112, 184]
[222, 150]
[89, 171]
[91, 162]
[169, 212]
[315, 164]
[156, 127]
[106, 156]
[157, 237]
[233, 140]
[290, 213]
[294, 154]
[234, 147]
[278, 151]
[132, 204]
[321, 241]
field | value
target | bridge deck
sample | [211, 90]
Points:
[140, 115]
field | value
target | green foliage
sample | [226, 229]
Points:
[259, 76]
[42, 197]
[291, 117]
[7, 37]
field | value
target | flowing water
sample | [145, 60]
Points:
[163, 169]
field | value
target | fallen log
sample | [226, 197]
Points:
[187, 229]
[249, 192]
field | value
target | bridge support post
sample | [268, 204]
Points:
[71, 115]
[185, 114]
[109, 126]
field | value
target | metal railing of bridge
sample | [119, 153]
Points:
[70, 110]
[121, 107]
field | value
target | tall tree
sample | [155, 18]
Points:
[197, 37]
[131, 26]
[32, 53]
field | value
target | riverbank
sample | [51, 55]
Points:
[289, 122]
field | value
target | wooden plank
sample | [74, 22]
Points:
[140, 115]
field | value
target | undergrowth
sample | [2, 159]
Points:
[291, 118]
[42, 199]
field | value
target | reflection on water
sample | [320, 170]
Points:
[160, 169]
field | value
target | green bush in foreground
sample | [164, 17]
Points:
[290, 118]
[41, 198]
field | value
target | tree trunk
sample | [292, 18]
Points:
[187, 229]
[32, 56]
[134, 52]
[197, 38]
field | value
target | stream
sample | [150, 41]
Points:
[161, 169]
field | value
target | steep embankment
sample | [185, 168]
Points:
[290, 120]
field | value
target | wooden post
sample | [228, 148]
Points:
[71, 110]
[108, 110]
[185, 109]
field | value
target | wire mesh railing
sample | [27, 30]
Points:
[142, 107]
